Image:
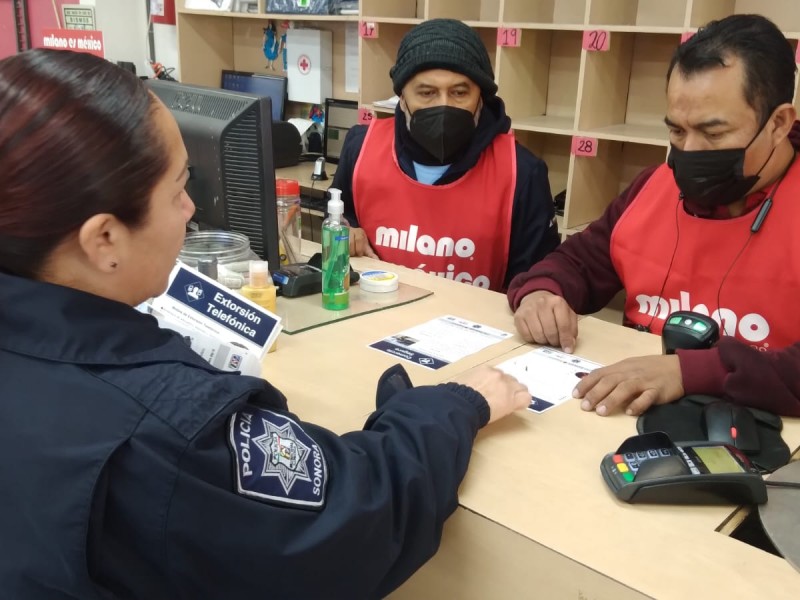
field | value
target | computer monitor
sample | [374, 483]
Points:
[270, 86]
[340, 116]
[229, 139]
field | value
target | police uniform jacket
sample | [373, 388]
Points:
[131, 468]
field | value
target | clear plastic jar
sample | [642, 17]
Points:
[231, 251]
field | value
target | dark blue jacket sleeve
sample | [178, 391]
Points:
[343, 178]
[390, 489]
[534, 233]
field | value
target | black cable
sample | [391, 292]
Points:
[762, 213]
[657, 309]
[795, 485]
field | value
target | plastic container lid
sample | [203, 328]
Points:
[259, 273]
[379, 281]
[225, 246]
[287, 187]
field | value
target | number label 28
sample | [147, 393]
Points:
[584, 146]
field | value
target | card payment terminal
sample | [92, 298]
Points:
[651, 468]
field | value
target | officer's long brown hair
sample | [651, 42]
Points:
[76, 139]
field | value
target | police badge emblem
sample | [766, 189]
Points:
[276, 460]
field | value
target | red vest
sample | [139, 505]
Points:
[458, 231]
[755, 301]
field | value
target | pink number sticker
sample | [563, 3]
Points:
[596, 40]
[584, 146]
[686, 35]
[507, 36]
[365, 115]
[368, 29]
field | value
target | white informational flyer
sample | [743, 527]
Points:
[441, 341]
[549, 375]
[207, 306]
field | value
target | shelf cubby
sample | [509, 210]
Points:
[597, 180]
[377, 57]
[554, 150]
[546, 12]
[638, 13]
[623, 92]
[486, 11]
[539, 80]
[784, 13]
[396, 9]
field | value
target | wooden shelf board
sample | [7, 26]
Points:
[268, 16]
[545, 124]
[547, 26]
[654, 135]
[390, 20]
[638, 29]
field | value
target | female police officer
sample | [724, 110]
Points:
[131, 468]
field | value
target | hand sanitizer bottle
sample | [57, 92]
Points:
[335, 256]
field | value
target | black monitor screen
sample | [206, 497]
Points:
[228, 136]
[266, 86]
[340, 116]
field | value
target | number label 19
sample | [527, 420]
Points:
[596, 40]
[507, 36]
[584, 146]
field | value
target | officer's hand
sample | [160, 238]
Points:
[545, 318]
[359, 244]
[502, 392]
[633, 385]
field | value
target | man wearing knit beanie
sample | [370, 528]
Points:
[443, 187]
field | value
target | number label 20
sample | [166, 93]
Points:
[596, 40]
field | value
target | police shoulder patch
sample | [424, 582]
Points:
[276, 460]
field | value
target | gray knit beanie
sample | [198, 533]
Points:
[443, 44]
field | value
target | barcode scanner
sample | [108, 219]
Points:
[688, 330]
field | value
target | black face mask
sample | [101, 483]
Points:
[711, 178]
[443, 131]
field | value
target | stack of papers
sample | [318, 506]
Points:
[388, 103]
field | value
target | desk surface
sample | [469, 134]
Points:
[302, 173]
[534, 481]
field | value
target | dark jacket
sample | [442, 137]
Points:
[533, 228]
[120, 468]
[582, 273]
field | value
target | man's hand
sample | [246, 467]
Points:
[545, 318]
[359, 244]
[633, 385]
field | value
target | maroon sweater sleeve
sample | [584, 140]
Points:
[580, 269]
[736, 372]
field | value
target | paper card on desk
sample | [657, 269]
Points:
[439, 342]
[549, 375]
[204, 304]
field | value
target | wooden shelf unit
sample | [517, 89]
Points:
[554, 89]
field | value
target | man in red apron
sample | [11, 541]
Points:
[443, 187]
[713, 230]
